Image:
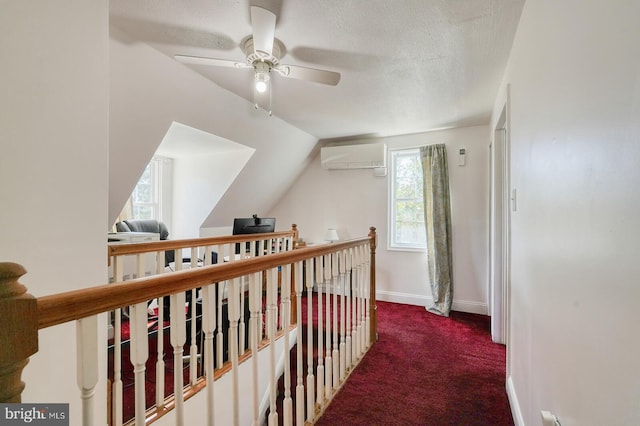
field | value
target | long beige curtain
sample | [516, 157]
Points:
[437, 218]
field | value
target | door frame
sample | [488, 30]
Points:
[500, 227]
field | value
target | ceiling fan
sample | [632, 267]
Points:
[263, 53]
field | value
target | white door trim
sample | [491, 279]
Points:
[500, 226]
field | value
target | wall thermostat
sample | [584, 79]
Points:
[461, 156]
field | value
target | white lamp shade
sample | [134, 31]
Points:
[331, 235]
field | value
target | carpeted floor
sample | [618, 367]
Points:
[426, 370]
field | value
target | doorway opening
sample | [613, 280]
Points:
[500, 229]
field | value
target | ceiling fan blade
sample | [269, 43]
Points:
[198, 60]
[309, 74]
[263, 22]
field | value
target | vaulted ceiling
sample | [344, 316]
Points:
[406, 66]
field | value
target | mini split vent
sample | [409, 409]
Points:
[360, 156]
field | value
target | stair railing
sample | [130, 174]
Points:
[132, 260]
[342, 273]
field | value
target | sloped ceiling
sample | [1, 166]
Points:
[407, 66]
[149, 92]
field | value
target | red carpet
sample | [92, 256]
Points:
[426, 370]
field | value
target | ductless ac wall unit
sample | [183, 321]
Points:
[358, 156]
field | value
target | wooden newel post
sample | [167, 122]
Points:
[294, 230]
[373, 313]
[18, 331]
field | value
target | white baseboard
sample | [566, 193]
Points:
[513, 402]
[419, 300]
[470, 307]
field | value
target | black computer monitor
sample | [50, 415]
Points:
[252, 225]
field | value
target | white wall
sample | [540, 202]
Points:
[53, 170]
[149, 91]
[199, 182]
[203, 167]
[353, 200]
[574, 76]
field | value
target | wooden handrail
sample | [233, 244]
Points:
[153, 246]
[72, 305]
[22, 315]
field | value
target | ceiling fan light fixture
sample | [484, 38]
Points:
[262, 82]
[262, 76]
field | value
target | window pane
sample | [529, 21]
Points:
[142, 211]
[410, 234]
[143, 192]
[406, 204]
[144, 198]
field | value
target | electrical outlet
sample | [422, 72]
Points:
[549, 419]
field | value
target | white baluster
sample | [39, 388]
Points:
[263, 316]
[320, 375]
[116, 390]
[178, 260]
[358, 318]
[276, 307]
[255, 334]
[287, 404]
[367, 295]
[363, 302]
[354, 306]
[343, 284]
[193, 349]
[208, 327]
[242, 327]
[299, 278]
[160, 261]
[139, 265]
[272, 294]
[139, 352]
[348, 288]
[335, 355]
[178, 338]
[328, 381]
[310, 376]
[87, 349]
[139, 346]
[233, 310]
[230, 249]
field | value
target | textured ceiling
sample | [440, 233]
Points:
[407, 66]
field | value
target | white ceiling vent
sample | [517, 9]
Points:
[360, 156]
